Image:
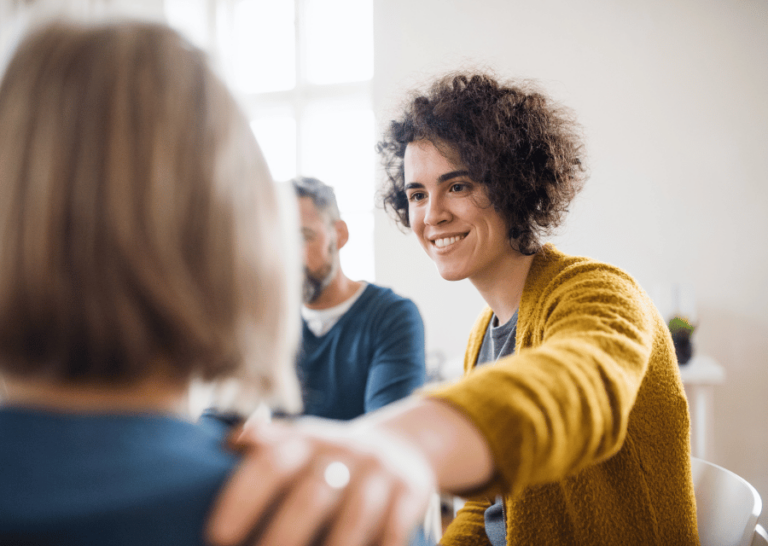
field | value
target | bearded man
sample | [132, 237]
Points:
[362, 344]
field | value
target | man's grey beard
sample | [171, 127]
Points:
[315, 284]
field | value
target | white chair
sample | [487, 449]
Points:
[761, 537]
[727, 507]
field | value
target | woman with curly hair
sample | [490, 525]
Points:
[571, 375]
[570, 425]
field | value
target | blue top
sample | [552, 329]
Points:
[372, 356]
[74, 479]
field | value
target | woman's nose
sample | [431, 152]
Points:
[436, 212]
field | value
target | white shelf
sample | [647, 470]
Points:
[699, 376]
[702, 370]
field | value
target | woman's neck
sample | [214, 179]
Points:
[154, 395]
[502, 288]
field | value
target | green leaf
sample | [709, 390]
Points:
[680, 325]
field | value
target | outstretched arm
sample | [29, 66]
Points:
[395, 457]
[535, 417]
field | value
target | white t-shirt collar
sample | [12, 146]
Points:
[320, 321]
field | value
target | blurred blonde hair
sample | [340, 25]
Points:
[139, 225]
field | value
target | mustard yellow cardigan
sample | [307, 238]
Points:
[587, 421]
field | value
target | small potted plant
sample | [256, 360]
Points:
[681, 331]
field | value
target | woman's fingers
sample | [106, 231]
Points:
[304, 510]
[361, 518]
[266, 471]
[400, 521]
[355, 489]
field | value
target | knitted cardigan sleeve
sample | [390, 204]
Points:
[562, 402]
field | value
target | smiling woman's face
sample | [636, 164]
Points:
[452, 216]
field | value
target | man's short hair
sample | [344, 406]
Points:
[322, 195]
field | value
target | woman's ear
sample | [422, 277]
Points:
[342, 233]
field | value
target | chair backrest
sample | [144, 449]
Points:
[761, 537]
[727, 506]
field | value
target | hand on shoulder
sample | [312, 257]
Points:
[352, 485]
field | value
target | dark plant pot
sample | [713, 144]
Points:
[683, 348]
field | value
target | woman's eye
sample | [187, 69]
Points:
[416, 196]
[459, 186]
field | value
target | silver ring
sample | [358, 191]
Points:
[336, 475]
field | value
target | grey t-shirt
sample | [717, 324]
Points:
[499, 341]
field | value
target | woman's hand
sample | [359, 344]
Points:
[350, 485]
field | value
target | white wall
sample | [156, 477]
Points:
[673, 96]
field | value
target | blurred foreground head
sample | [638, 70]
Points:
[140, 230]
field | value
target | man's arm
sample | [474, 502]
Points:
[398, 366]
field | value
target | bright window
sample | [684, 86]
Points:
[191, 17]
[276, 133]
[339, 40]
[303, 70]
[261, 46]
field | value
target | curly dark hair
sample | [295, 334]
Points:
[523, 147]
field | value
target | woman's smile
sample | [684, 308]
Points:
[451, 215]
[444, 242]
